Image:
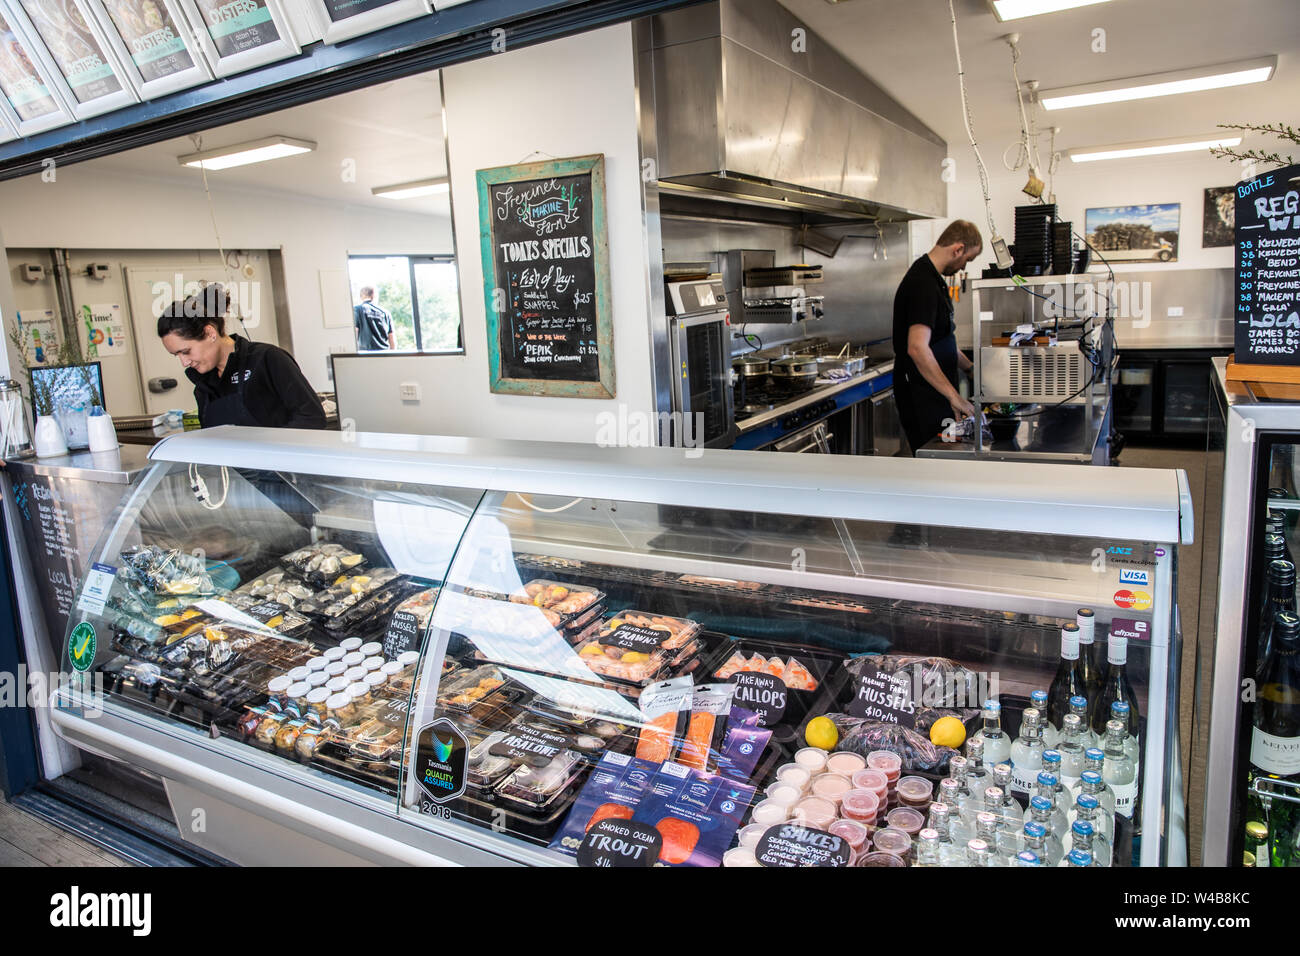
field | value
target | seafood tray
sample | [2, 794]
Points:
[811, 667]
[277, 585]
[567, 600]
[637, 648]
[155, 575]
[319, 564]
[530, 763]
[473, 691]
[344, 592]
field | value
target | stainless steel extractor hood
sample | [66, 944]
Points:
[750, 112]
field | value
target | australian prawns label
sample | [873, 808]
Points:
[791, 845]
[882, 697]
[764, 694]
[537, 748]
[633, 637]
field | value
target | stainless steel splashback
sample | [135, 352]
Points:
[739, 111]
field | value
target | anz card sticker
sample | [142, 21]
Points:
[1139, 577]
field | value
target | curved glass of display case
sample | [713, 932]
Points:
[473, 651]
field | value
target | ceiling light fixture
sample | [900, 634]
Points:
[1161, 84]
[1159, 147]
[1016, 9]
[420, 187]
[242, 154]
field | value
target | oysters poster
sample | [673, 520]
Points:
[546, 278]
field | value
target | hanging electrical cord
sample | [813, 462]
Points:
[216, 232]
[997, 242]
[200, 488]
[547, 511]
[1053, 161]
[1027, 146]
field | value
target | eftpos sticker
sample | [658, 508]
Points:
[1130, 628]
[440, 754]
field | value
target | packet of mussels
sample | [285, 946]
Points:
[612, 792]
[696, 814]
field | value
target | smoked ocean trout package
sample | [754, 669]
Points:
[696, 813]
[612, 792]
[665, 712]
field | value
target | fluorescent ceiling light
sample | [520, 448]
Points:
[1089, 154]
[1015, 9]
[420, 187]
[1161, 84]
[241, 154]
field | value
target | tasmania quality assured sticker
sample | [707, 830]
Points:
[81, 646]
[440, 752]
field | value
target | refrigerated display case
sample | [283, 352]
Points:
[1255, 432]
[406, 649]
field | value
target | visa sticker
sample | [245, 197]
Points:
[1135, 576]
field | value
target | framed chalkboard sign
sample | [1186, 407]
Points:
[1267, 230]
[546, 278]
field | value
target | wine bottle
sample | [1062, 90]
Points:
[1115, 686]
[1091, 654]
[1278, 596]
[1275, 740]
[1068, 681]
[1275, 523]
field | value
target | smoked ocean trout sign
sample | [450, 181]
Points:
[546, 278]
[1267, 317]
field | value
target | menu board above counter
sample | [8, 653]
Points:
[343, 19]
[237, 35]
[546, 278]
[27, 89]
[87, 72]
[153, 41]
[1267, 317]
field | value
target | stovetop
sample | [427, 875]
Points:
[783, 403]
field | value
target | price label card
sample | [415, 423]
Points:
[791, 845]
[94, 593]
[403, 634]
[621, 843]
[537, 748]
[632, 637]
[886, 698]
[764, 694]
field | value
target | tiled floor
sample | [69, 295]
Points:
[27, 840]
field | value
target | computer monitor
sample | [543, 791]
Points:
[70, 385]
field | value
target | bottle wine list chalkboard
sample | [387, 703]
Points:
[1267, 313]
[546, 278]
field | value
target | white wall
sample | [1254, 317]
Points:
[569, 97]
[90, 208]
[1158, 179]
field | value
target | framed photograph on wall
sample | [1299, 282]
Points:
[1219, 218]
[153, 42]
[85, 69]
[237, 35]
[340, 20]
[1134, 233]
[32, 103]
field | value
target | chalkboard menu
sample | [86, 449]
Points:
[546, 278]
[1268, 269]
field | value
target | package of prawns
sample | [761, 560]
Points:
[613, 791]
[696, 814]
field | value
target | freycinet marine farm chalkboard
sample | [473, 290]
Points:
[546, 278]
[1268, 269]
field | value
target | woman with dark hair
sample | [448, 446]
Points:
[236, 382]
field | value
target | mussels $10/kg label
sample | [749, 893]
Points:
[882, 697]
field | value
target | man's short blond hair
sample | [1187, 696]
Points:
[963, 231]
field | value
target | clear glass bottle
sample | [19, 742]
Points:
[1051, 734]
[1115, 686]
[1121, 711]
[952, 845]
[1094, 761]
[1027, 752]
[978, 774]
[1091, 785]
[1071, 748]
[1046, 788]
[978, 853]
[1052, 765]
[986, 830]
[997, 743]
[1118, 770]
[1039, 841]
[958, 769]
[1082, 708]
[1088, 811]
[1008, 808]
[1068, 681]
[1009, 821]
[1090, 653]
[1028, 858]
[1083, 841]
[927, 848]
[1079, 858]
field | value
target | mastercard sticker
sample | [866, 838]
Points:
[1135, 600]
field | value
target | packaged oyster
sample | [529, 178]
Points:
[537, 787]
[273, 614]
[319, 564]
[484, 768]
[276, 585]
[344, 593]
[155, 573]
[374, 609]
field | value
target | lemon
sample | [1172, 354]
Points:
[821, 732]
[947, 732]
[181, 587]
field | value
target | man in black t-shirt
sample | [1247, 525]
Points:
[926, 357]
[374, 326]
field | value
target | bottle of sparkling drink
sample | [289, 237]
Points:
[1069, 681]
[1051, 734]
[986, 830]
[1088, 811]
[1278, 596]
[1115, 686]
[1082, 708]
[1119, 771]
[1094, 761]
[1040, 813]
[1122, 712]
[1071, 749]
[1009, 822]
[997, 745]
[1049, 786]
[1028, 858]
[1010, 807]
[927, 848]
[1275, 523]
[1090, 654]
[1039, 841]
[952, 851]
[1027, 752]
[958, 767]
[978, 774]
[978, 853]
[1052, 764]
[1082, 845]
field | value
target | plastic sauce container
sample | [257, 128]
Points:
[914, 791]
[740, 856]
[785, 794]
[832, 787]
[860, 805]
[814, 812]
[845, 763]
[873, 780]
[887, 761]
[750, 835]
[767, 814]
[853, 833]
[812, 759]
[892, 840]
[877, 858]
[794, 775]
[907, 819]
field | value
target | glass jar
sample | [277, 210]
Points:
[316, 705]
[298, 674]
[354, 674]
[317, 679]
[350, 644]
[408, 658]
[287, 734]
[341, 708]
[264, 736]
[360, 693]
[392, 669]
[375, 680]
[296, 704]
[337, 685]
[373, 663]
[335, 668]
[371, 649]
[275, 691]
